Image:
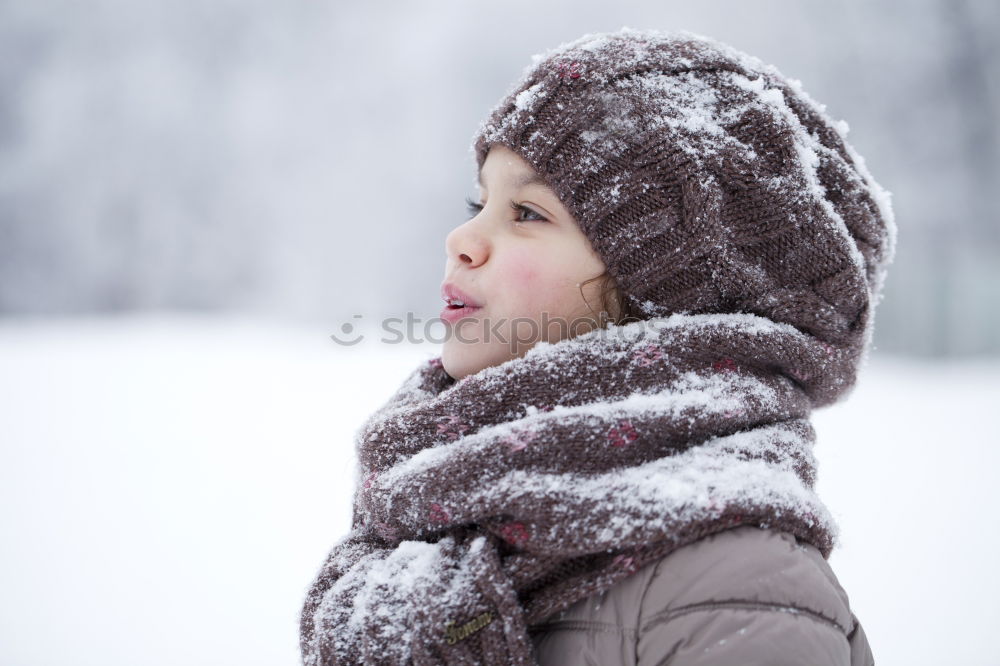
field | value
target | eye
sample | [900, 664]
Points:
[473, 207]
[521, 208]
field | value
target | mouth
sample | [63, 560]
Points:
[456, 311]
[459, 304]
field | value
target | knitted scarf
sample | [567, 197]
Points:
[486, 505]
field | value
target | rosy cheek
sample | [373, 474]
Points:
[523, 272]
[532, 285]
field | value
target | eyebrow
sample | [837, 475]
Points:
[523, 181]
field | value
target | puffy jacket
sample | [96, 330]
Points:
[744, 596]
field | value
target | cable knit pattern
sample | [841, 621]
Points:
[706, 181]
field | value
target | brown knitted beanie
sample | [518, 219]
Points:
[706, 181]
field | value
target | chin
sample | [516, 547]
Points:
[454, 364]
[460, 361]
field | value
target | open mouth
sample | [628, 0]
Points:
[456, 310]
[457, 303]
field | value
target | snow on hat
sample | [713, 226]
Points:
[705, 180]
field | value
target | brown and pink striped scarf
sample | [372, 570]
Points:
[484, 506]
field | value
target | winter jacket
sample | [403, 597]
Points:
[745, 596]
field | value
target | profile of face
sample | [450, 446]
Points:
[517, 266]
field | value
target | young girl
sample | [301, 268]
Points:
[675, 257]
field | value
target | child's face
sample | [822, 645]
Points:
[523, 267]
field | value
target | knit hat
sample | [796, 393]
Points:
[705, 180]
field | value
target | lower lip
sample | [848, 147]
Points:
[453, 315]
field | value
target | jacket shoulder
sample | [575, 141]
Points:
[746, 595]
[748, 564]
[748, 591]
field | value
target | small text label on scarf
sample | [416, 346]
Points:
[454, 634]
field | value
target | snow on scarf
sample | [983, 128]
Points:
[485, 505]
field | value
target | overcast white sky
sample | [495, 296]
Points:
[306, 159]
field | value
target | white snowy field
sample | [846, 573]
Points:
[170, 484]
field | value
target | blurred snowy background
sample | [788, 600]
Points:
[195, 195]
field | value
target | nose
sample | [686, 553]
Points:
[466, 244]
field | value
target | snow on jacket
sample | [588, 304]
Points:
[744, 596]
